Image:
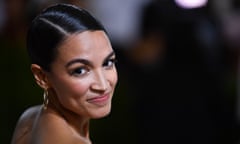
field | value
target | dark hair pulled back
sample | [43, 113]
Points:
[52, 26]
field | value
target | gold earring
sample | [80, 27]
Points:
[45, 99]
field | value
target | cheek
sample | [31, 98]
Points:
[71, 89]
[78, 88]
[113, 77]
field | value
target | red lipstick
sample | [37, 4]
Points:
[99, 100]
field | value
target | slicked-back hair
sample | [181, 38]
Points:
[52, 26]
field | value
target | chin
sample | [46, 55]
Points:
[102, 112]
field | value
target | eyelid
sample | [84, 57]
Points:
[82, 68]
[110, 56]
[113, 60]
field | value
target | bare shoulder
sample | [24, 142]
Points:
[51, 127]
[24, 125]
[37, 126]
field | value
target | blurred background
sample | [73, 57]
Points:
[178, 66]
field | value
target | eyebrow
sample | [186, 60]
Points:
[86, 62]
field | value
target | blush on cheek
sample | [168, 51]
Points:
[78, 90]
[68, 90]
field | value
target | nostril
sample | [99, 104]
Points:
[99, 86]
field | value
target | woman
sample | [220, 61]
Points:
[73, 62]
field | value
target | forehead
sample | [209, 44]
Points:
[85, 45]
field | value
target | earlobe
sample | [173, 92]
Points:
[40, 76]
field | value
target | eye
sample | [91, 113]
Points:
[109, 63]
[79, 71]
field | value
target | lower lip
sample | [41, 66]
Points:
[100, 101]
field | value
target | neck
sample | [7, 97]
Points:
[78, 123]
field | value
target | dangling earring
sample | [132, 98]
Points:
[45, 99]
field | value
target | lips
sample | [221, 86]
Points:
[99, 100]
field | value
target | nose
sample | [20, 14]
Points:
[100, 82]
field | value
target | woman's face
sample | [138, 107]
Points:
[84, 75]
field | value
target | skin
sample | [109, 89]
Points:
[80, 87]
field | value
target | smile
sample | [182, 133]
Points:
[99, 100]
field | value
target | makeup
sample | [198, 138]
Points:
[99, 100]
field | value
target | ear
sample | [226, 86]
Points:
[40, 76]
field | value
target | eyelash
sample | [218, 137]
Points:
[112, 60]
[80, 71]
